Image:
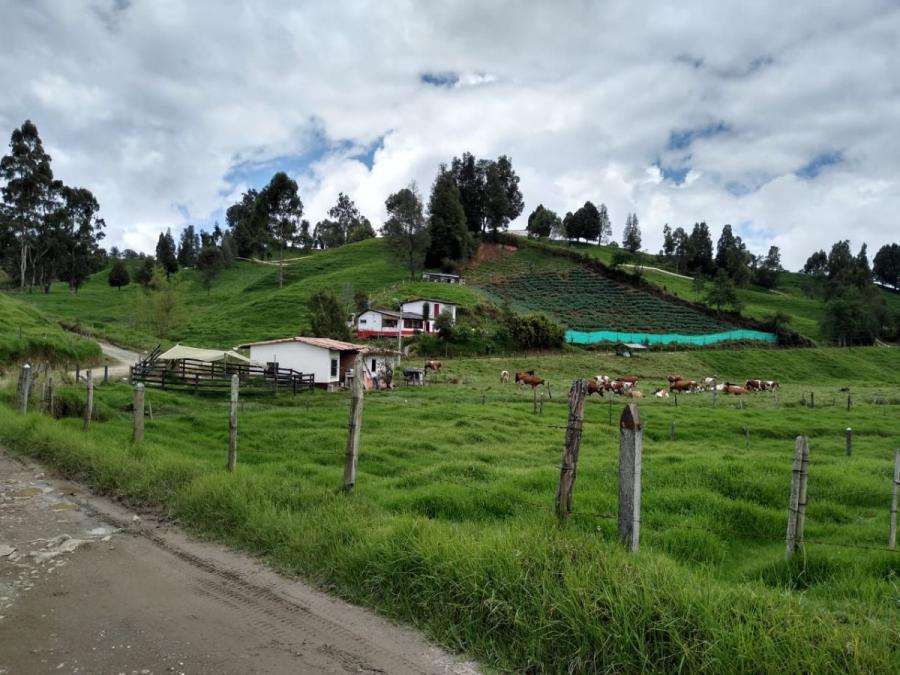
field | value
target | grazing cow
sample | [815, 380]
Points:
[504, 376]
[634, 393]
[594, 387]
[661, 393]
[771, 385]
[433, 365]
[753, 385]
[686, 386]
[709, 381]
[630, 379]
[673, 378]
[528, 377]
[734, 389]
[601, 379]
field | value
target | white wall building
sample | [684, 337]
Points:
[383, 322]
[328, 360]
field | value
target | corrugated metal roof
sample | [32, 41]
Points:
[393, 313]
[324, 343]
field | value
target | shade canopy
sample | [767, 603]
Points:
[208, 355]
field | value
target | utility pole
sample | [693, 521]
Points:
[400, 332]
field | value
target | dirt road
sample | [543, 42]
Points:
[88, 587]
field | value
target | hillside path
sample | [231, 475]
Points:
[89, 587]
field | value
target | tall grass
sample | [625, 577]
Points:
[451, 525]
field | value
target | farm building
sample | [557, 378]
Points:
[443, 278]
[383, 322]
[328, 360]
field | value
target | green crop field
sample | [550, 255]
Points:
[451, 524]
[759, 303]
[26, 334]
[584, 300]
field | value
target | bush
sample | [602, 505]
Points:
[535, 331]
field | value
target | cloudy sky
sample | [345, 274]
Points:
[780, 118]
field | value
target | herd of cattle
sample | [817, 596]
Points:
[626, 385]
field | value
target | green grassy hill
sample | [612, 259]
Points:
[246, 304]
[26, 334]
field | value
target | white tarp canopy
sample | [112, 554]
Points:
[208, 355]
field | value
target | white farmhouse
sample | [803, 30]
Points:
[328, 360]
[383, 322]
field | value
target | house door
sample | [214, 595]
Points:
[437, 310]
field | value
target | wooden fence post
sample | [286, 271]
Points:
[672, 430]
[48, 396]
[812, 399]
[351, 457]
[797, 504]
[849, 437]
[24, 389]
[746, 438]
[77, 373]
[569, 464]
[89, 400]
[848, 402]
[630, 450]
[542, 403]
[232, 423]
[137, 433]
[715, 391]
[106, 374]
[892, 538]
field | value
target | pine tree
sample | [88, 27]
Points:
[447, 228]
[405, 229]
[605, 226]
[118, 275]
[631, 236]
[165, 253]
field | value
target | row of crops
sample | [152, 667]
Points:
[584, 300]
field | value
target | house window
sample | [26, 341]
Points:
[362, 322]
[389, 323]
[413, 323]
[374, 365]
[334, 363]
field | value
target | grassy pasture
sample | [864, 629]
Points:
[451, 526]
[26, 334]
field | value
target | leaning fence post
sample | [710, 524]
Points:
[892, 538]
[48, 396]
[570, 454]
[849, 437]
[89, 400]
[137, 434]
[77, 373]
[630, 450]
[797, 504]
[351, 457]
[232, 423]
[24, 389]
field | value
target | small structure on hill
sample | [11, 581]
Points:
[629, 349]
[443, 278]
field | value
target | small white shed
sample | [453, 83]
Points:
[328, 360]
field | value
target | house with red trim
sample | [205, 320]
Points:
[412, 319]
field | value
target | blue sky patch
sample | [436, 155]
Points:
[680, 139]
[819, 162]
[673, 175]
[447, 79]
